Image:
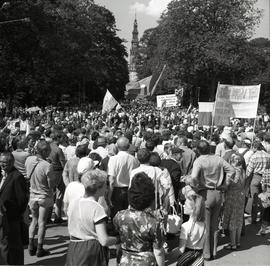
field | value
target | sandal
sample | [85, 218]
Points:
[238, 245]
[230, 247]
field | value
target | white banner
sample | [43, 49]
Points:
[206, 107]
[168, 100]
[236, 101]
[108, 102]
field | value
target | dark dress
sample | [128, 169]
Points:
[140, 232]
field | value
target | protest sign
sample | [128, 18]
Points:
[235, 101]
[168, 100]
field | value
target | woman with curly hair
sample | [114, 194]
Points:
[140, 232]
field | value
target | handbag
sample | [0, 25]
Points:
[265, 199]
[171, 222]
[174, 222]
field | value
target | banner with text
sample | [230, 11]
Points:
[168, 100]
[235, 101]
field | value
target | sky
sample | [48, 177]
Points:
[148, 13]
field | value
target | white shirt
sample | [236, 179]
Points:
[83, 214]
[120, 167]
[155, 173]
[74, 191]
[101, 151]
[70, 152]
[195, 237]
[247, 155]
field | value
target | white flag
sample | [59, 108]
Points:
[205, 113]
[108, 102]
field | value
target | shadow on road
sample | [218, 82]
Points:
[57, 239]
[61, 260]
[248, 241]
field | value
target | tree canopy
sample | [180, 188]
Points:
[68, 47]
[204, 42]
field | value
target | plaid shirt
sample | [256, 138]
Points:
[266, 178]
[258, 163]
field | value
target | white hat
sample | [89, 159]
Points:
[85, 164]
[247, 141]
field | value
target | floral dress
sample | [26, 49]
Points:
[235, 201]
[140, 232]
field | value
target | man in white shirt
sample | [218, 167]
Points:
[155, 173]
[119, 170]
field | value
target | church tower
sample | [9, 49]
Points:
[133, 57]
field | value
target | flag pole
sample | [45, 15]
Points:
[155, 86]
[254, 125]
[213, 113]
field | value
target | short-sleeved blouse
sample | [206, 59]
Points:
[139, 231]
[83, 214]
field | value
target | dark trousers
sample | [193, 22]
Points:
[3, 240]
[59, 195]
[15, 245]
[255, 190]
[213, 201]
[119, 199]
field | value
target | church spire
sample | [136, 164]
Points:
[135, 33]
[134, 50]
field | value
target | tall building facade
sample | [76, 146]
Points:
[134, 52]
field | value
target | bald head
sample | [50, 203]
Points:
[123, 144]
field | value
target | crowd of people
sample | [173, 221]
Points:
[118, 178]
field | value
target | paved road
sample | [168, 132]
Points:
[255, 250]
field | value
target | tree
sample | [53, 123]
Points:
[205, 41]
[260, 58]
[69, 47]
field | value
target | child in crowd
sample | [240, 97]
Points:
[193, 232]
